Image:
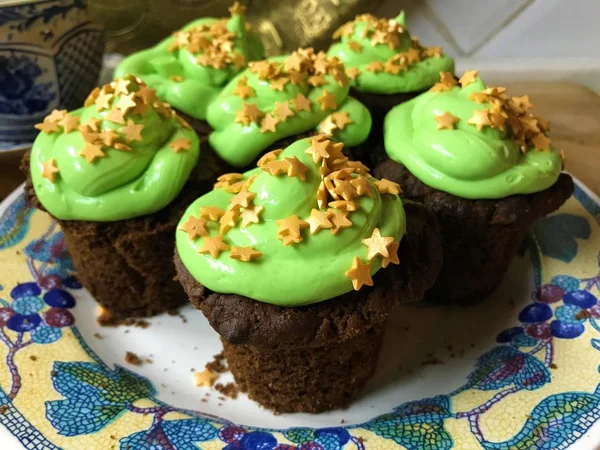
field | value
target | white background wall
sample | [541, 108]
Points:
[486, 29]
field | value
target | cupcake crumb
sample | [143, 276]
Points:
[229, 390]
[218, 364]
[98, 336]
[133, 359]
[553, 366]
[3, 409]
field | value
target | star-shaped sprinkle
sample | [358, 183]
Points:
[195, 227]
[268, 157]
[355, 46]
[243, 90]
[393, 255]
[103, 101]
[362, 186]
[206, 378]
[278, 84]
[244, 254]
[47, 127]
[385, 186]
[269, 124]
[282, 110]
[359, 274]
[121, 146]
[228, 220]
[237, 9]
[296, 77]
[321, 195]
[327, 126]
[412, 55]
[125, 103]
[344, 205]
[327, 101]
[301, 103]
[243, 199]
[296, 168]
[446, 121]
[250, 215]
[318, 220]
[147, 95]
[108, 137]
[541, 142]
[275, 167]
[318, 150]
[180, 145]
[345, 190]
[294, 62]
[341, 119]
[480, 118]
[69, 123]
[290, 227]
[133, 131]
[377, 245]
[56, 115]
[339, 221]
[375, 66]
[116, 116]
[91, 98]
[49, 170]
[522, 103]
[211, 213]
[316, 80]
[91, 152]
[468, 77]
[353, 72]
[120, 86]
[213, 245]
[252, 112]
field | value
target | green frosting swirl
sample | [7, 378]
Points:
[486, 164]
[240, 144]
[178, 77]
[413, 76]
[307, 272]
[120, 184]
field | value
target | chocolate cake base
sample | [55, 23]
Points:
[126, 265]
[316, 358]
[480, 237]
[372, 152]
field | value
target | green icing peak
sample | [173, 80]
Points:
[289, 232]
[189, 69]
[384, 58]
[123, 155]
[472, 141]
[281, 97]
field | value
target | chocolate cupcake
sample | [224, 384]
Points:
[298, 271]
[281, 99]
[387, 66]
[481, 161]
[189, 69]
[117, 174]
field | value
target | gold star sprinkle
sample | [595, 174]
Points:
[120, 86]
[318, 220]
[252, 112]
[344, 205]
[147, 95]
[243, 90]
[269, 124]
[91, 152]
[133, 131]
[278, 84]
[341, 119]
[121, 146]
[180, 145]
[318, 150]
[362, 186]
[125, 103]
[480, 118]
[275, 167]
[296, 168]
[282, 110]
[541, 142]
[339, 221]
[327, 126]
[375, 66]
[446, 121]
[49, 170]
[250, 215]
[393, 255]
[236, 9]
[377, 245]
[290, 228]
[468, 77]
[345, 190]
[195, 227]
[103, 101]
[69, 123]
[228, 220]
[359, 274]
[56, 115]
[244, 254]
[91, 98]
[206, 378]
[213, 245]
[522, 103]
[355, 46]
[211, 213]
[316, 80]
[301, 103]
[385, 186]
[353, 72]
[116, 116]
[108, 137]
[47, 127]
[243, 199]
[412, 55]
[268, 157]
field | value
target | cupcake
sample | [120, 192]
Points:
[298, 271]
[117, 174]
[387, 66]
[481, 161]
[276, 101]
[189, 69]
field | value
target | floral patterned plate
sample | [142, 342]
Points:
[519, 371]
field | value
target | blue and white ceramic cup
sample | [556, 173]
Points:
[50, 57]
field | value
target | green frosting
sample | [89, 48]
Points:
[240, 144]
[298, 274]
[466, 162]
[173, 70]
[120, 184]
[412, 76]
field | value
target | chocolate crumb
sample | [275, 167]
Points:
[220, 404]
[3, 409]
[192, 369]
[148, 361]
[33, 358]
[53, 373]
[163, 385]
[342, 421]
[431, 362]
[217, 365]
[173, 312]
[98, 336]
[132, 358]
[142, 324]
[126, 331]
[553, 366]
[203, 400]
[112, 436]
